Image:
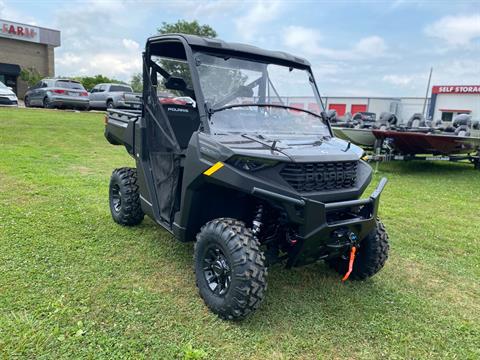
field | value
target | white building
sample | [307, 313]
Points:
[451, 100]
[377, 105]
[446, 102]
[403, 107]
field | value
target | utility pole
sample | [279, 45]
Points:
[426, 94]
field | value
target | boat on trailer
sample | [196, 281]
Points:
[417, 140]
[359, 130]
[412, 142]
[410, 145]
[361, 137]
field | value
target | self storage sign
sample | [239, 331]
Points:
[18, 31]
[456, 89]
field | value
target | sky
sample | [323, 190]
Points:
[356, 48]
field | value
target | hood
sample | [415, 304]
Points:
[6, 91]
[296, 148]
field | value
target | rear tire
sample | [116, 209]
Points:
[229, 268]
[46, 103]
[124, 197]
[371, 255]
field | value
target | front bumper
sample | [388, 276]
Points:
[8, 101]
[317, 226]
[326, 229]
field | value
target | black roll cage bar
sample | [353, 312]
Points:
[214, 50]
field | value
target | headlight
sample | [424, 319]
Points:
[247, 163]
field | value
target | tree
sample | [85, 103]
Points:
[30, 75]
[89, 82]
[186, 27]
[137, 82]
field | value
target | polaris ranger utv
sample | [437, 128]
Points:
[243, 169]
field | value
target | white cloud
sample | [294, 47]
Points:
[456, 31]
[9, 13]
[326, 69]
[68, 58]
[94, 42]
[397, 3]
[194, 9]
[112, 64]
[372, 45]
[260, 14]
[445, 72]
[456, 72]
[131, 44]
[2, 8]
[308, 42]
[398, 80]
[123, 66]
[304, 39]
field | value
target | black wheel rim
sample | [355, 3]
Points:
[217, 271]
[116, 198]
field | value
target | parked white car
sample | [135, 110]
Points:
[7, 96]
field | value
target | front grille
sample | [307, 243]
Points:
[308, 177]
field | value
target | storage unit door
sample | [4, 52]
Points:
[358, 108]
[339, 108]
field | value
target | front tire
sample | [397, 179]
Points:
[371, 255]
[124, 197]
[229, 268]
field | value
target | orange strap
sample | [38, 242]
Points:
[350, 263]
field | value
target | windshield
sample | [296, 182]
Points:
[227, 81]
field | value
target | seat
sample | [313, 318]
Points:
[184, 120]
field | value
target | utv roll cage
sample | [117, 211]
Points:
[182, 47]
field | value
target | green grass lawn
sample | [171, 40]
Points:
[73, 284]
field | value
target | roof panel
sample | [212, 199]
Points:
[217, 44]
